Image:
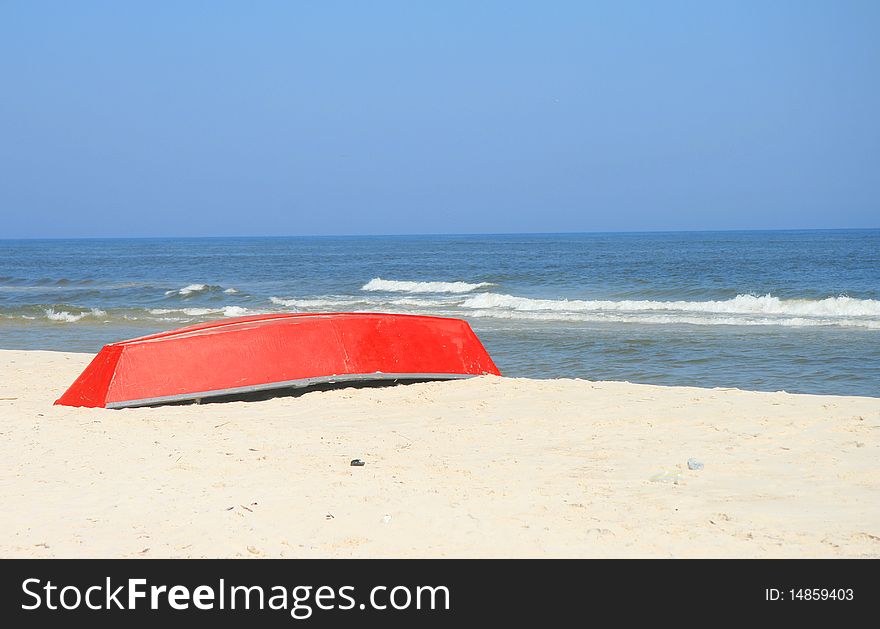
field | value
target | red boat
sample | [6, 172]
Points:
[247, 355]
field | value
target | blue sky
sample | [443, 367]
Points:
[286, 118]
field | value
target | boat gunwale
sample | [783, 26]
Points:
[217, 325]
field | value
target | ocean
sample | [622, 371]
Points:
[773, 310]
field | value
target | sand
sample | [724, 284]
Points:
[489, 467]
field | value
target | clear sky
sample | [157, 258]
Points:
[285, 118]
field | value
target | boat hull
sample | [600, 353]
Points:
[246, 355]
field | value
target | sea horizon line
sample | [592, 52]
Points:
[448, 234]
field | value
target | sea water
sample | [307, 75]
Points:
[776, 310]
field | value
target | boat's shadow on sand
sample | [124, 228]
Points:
[260, 396]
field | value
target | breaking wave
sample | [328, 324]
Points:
[192, 289]
[65, 313]
[746, 310]
[226, 311]
[323, 302]
[797, 322]
[395, 286]
[342, 302]
[741, 304]
[72, 317]
[741, 310]
[235, 311]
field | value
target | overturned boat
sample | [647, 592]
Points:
[234, 358]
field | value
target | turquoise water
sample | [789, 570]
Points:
[797, 311]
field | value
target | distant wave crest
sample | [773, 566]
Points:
[396, 286]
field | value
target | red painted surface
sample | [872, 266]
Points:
[265, 349]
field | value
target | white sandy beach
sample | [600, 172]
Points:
[489, 467]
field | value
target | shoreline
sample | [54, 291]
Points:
[487, 467]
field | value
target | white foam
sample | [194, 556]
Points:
[287, 303]
[230, 291]
[196, 288]
[324, 302]
[744, 310]
[740, 310]
[187, 290]
[226, 311]
[673, 319]
[68, 317]
[340, 302]
[741, 304]
[424, 303]
[191, 312]
[395, 286]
